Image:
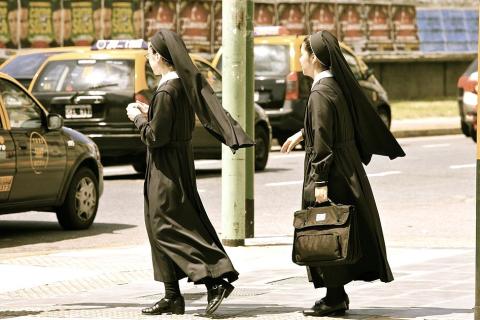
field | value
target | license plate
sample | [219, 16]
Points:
[256, 96]
[78, 111]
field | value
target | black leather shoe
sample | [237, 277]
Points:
[346, 299]
[321, 309]
[167, 306]
[216, 294]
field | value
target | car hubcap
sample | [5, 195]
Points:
[85, 199]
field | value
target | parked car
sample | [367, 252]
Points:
[468, 99]
[23, 65]
[282, 89]
[43, 165]
[91, 90]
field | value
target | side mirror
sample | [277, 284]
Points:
[55, 121]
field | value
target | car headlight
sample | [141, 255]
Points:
[470, 98]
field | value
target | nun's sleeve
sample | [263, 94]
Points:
[322, 128]
[157, 132]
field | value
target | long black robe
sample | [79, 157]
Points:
[182, 238]
[332, 156]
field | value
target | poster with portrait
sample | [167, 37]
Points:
[102, 18]
[351, 25]
[83, 32]
[40, 23]
[264, 14]
[195, 23]
[405, 32]
[4, 36]
[217, 25]
[379, 30]
[18, 26]
[322, 17]
[292, 17]
[61, 23]
[122, 24]
[138, 19]
[160, 15]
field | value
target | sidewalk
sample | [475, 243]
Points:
[116, 283]
[425, 127]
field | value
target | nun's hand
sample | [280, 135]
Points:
[321, 194]
[132, 111]
[142, 106]
[292, 142]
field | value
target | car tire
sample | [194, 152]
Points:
[262, 148]
[140, 166]
[465, 128]
[81, 203]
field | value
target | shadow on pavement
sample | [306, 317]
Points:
[130, 176]
[19, 233]
[396, 313]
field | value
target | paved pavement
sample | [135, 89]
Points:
[116, 283]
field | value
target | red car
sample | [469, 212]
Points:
[468, 99]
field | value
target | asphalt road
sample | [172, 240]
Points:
[425, 200]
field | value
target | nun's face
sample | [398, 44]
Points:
[307, 61]
[154, 60]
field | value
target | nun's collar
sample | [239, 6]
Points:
[168, 76]
[320, 76]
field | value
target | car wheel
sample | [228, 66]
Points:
[262, 148]
[385, 116]
[140, 166]
[465, 128]
[81, 203]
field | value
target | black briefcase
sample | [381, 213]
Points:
[326, 236]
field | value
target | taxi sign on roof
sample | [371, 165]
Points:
[119, 44]
[270, 31]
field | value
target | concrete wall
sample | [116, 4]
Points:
[420, 78]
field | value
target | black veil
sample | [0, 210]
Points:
[371, 134]
[208, 108]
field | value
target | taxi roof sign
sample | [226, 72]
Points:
[270, 31]
[119, 44]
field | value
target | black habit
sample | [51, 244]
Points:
[182, 238]
[342, 130]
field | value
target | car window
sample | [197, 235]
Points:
[212, 76]
[352, 62]
[22, 111]
[79, 75]
[270, 60]
[25, 66]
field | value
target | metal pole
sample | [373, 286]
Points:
[233, 96]
[250, 126]
[477, 218]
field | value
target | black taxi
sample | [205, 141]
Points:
[45, 166]
[91, 90]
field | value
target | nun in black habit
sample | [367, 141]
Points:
[182, 239]
[341, 130]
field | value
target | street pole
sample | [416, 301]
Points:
[233, 99]
[477, 218]
[250, 126]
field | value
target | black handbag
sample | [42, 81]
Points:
[326, 235]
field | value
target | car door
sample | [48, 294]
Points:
[40, 153]
[7, 159]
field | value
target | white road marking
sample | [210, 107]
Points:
[383, 174]
[285, 183]
[462, 166]
[436, 145]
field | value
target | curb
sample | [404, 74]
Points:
[426, 132]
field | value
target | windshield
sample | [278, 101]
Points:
[270, 60]
[80, 75]
[25, 66]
